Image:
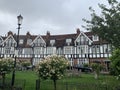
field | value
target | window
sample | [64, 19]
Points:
[59, 51]
[29, 41]
[39, 42]
[7, 50]
[68, 41]
[51, 50]
[106, 48]
[82, 38]
[21, 41]
[81, 49]
[10, 42]
[68, 50]
[52, 42]
[95, 38]
[12, 50]
[39, 50]
[96, 49]
[27, 51]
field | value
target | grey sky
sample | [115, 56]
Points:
[40, 16]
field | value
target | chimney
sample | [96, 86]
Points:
[10, 33]
[48, 33]
[28, 34]
[78, 31]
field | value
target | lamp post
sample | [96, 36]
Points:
[32, 54]
[20, 18]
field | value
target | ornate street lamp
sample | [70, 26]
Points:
[20, 18]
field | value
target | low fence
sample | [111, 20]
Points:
[19, 85]
[79, 86]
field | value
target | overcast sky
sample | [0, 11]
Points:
[40, 16]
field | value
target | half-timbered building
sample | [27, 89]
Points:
[79, 48]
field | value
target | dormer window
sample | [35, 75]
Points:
[29, 41]
[68, 41]
[21, 41]
[95, 38]
[52, 42]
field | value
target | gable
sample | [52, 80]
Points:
[38, 41]
[9, 41]
[83, 39]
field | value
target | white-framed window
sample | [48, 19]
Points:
[107, 48]
[27, 50]
[21, 41]
[81, 49]
[12, 50]
[38, 50]
[7, 50]
[96, 49]
[51, 50]
[39, 42]
[68, 41]
[95, 37]
[10, 42]
[59, 51]
[52, 42]
[82, 38]
[29, 41]
[68, 50]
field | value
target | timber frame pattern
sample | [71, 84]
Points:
[79, 48]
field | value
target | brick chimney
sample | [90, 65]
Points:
[48, 33]
[78, 31]
[48, 37]
[10, 33]
[28, 34]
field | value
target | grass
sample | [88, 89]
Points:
[84, 81]
[25, 79]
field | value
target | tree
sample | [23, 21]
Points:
[52, 67]
[6, 66]
[107, 24]
[115, 63]
[96, 68]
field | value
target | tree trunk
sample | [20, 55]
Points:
[54, 84]
[96, 75]
[38, 84]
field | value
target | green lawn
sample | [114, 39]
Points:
[84, 81]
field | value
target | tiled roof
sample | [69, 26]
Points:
[60, 40]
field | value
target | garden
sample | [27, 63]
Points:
[85, 81]
[52, 74]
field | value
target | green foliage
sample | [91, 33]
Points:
[85, 81]
[96, 67]
[52, 67]
[6, 65]
[86, 65]
[115, 62]
[25, 64]
[107, 24]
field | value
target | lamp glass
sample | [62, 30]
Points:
[20, 18]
